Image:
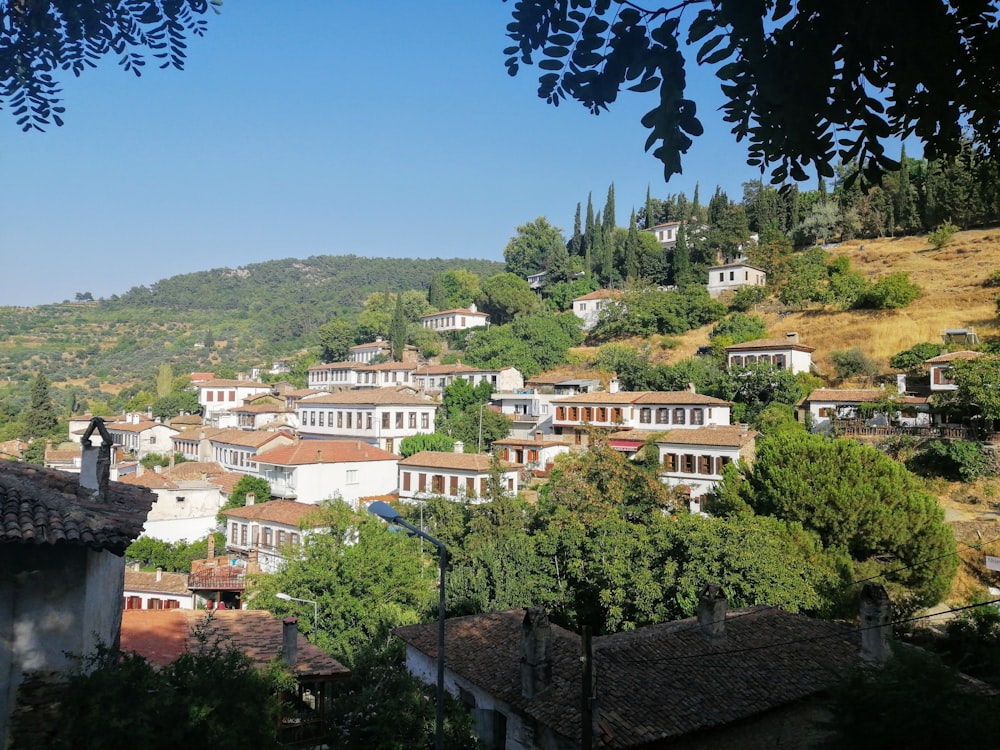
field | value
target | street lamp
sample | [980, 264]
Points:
[387, 513]
[287, 598]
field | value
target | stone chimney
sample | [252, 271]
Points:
[95, 461]
[613, 385]
[459, 446]
[691, 388]
[290, 641]
[159, 574]
[876, 623]
[251, 498]
[536, 661]
[712, 612]
[211, 546]
[792, 337]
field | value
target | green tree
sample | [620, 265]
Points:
[788, 125]
[260, 488]
[889, 293]
[913, 359]
[335, 340]
[976, 393]
[455, 288]
[397, 330]
[532, 344]
[853, 363]
[506, 296]
[40, 420]
[863, 505]
[434, 441]
[527, 251]
[176, 403]
[739, 328]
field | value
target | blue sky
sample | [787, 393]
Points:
[387, 129]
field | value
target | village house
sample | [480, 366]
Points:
[139, 435]
[456, 476]
[368, 351]
[311, 471]
[639, 410]
[825, 406]
[941, 369]
[62, 567]
[261, 533]
[435, 378]
[384, 375]
[157, 589]
[380, 416]
[785, 353]
[333, 374]
[218, 396]
[694, 459]
[588, 307]
[732, 276]
[666, 233]
[460, 319]
[236, 449]
[749, 678]
[534, 454]
[528, 409]
[267, 413]
[184, 422]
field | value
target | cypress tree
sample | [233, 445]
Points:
[631, 263]
[650, 213]
[695, 205]
[608, 224]
[904, 200]
[589, 230]
[682, 259]
[40, 419]
[575, 246]
[397, 330]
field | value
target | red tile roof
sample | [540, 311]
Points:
[370, 397]
[162, 635]
[287, 512]
[145, 581]
[729, 436]
[460, 461]
[599, 294]
[246, 438]
[953, 356]
[47, 506]
[682, 398]
[769, 344]
[324, 452]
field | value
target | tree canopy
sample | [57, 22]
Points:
[894, 78]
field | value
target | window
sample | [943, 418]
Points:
[663, 415]
[532, 454]
[312, 418]
[732, 276]
[687, 464]
[697, 416]
[602, 414]
[180, 498]
[352, 476]
[368, 421]
[243, 534]
[152, 439]
[470, 487]
[574, 414]
[349, 419]
[268, 537]
[424, 421]
[669, 462]
[406, 481]
[645, 415]
[340, 419]
[588, 414]
[412, 420]
[399, 420]
[421, 482]
[209, 396]
[232, 532]
[483, 486]
[453, 485]
[560, 413]
[294, 538]
[616, 414]
[385, 420]
[154, 603]
[722, 276]
[281, 538]
[437, 484]
[705, 464]
[679, 416]
[232, 395]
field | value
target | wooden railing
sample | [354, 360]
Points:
[851, 428]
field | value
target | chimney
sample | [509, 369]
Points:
[876, 622]
[691, 388]
[901, 383]
[712, 612]
[473, 308]
[251, 498]
[536, 661]
[319, 456]
[613, 385]
[290, 641]
[459, 446]
[95, 461]
[211, 546]
[159, 574]
[792, 337]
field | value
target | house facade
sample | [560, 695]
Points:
[639, 410]
[732, 276]
[218, 395]
[235, 450]
[435, 378]
[666, 233]
[460, 319]
[369, 351]
[941, 369]
[528, 409]
[827, 405]
[140, 436]
[695, 458]
[380, 416]
[588, 307]
[332, 375]
[456, 476]
[156, 590]
[311, 471]
[265, 532]
[785, 353]
[533, 454]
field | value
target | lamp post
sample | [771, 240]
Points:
[287, 598]
[387, 513]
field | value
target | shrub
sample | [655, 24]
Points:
[748, 296]
[943, 235]
[851, 363]
[889, 293]
[958, 460]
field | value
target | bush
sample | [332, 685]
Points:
[913, 358]
[957, 460]
[851, 363]
[748, 296]
[943, 235]
[889, 293]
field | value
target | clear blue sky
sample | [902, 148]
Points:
[316, 127]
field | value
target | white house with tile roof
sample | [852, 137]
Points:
[140, 436]
[370, 350]
[459, 319]
[218, 395]
[732, 276]
[784, 352]
[311, 471]
[588, 307]
[236, 449]
[456, 476]
[532, 453]
[695, 458]
[941, 369]
[269, 530]
[639, 410]
[825, 405]
[435, 378]
[384, 375]
[665, 233]
[157, 589]
[378, 416]
[333, 375]
[263, 413]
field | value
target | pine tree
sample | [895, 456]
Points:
[904, 199]
[40, 419]
[397, 330]
[608, 224]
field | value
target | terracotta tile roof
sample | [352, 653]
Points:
[63, 454]
[455, 369]
[197, 433]
[162, 635]
[150, 480]
[460, 461]
[47, 506]
[681, 398]
[599, 294]
[222, 383]
[779, 342]
[269, 408]
[531, 442]
[953, 356]
[455, 311]
[287, 512]
[370, 397]
[245, 438]
[336, 366]
[371, 345]
[324, 452]
[730, 436]
[302, 392]
[657, 683]
[847, 395]
[638, 436]
[145, 581]
[390, 366]
[201, 377]
[186, 420]
[735, 265]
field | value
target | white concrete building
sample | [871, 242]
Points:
[236, 449]
[533, 454]
[459, 319]
[217, 396]
[785, 353]
[435, 378]
[695, 458]
[941, 369]
[588, 307]
[381, 416]
[732, 276]
[825, 405]
[140, 436]
[666, 233]
[456, 476]
[267, 531]
[385, 375]
[529, 411]
[367, 352]
[333, 374]
[156, 590]
[311, 471]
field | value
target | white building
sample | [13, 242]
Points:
[588, 307]
[236, 449]
[435, 378]
[311, 471]
[369, 351]
[639, 410]
[140, 436]
[459, 319]
[381, 416]
[695, 458]
[732, 276]
[339, 374]
[533, 454]
[385, 375]
[785, 353]
[942, 366]
[267, 531]
[825, 405]
[666, 233]
[217, 396]
[528, 409]
[456, 476]
[156, 590]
